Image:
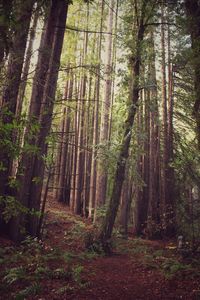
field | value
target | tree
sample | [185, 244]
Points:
[105, 115]
[135, 63]
[31, 168]
[22, 14]
[193, 14]
[5, 12]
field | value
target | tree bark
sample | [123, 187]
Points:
[44, 86]
[27, 62]
[107, 226]
[193, 15]
[105, 114]
[92, 199]
[5, 26]
[46, 116]
[22, 14]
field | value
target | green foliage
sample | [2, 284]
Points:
[14, 274]
[65, 289]
[31, 290]
[12, 207]
[60, 273]
[76, 273]
[171, 267]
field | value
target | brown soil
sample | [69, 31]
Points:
[121, 276]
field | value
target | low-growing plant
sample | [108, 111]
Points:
[60, 273]
[31, 290]
[14, 274]
[65, 289]
[171, 267]
[76, 273]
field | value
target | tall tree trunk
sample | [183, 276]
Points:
[92, 200]
[80, 178]
[170, 211]
[111, 213]
[105, 114]
[64, 156]
[193, 14]
[5, 12]
[154, 226]
[46, 116]
[138, 209]
[44, 86]
[126, 199]
[81, 152]
[27, 62]
[88, 155]
[22, 14]
[165, 121]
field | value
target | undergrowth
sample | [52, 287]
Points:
[25, 268]
[167, 261]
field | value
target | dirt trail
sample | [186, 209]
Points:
[123, 277]
[133, 272]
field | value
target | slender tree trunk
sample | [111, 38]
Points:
[5, 12]
[92, 200]
[193, 14]
[138, 210]
[111, 213]
[58, 156]
[170, 230]
[105, 114]
[88, 157]
[75, 151]
[27, 63]
[165, 121]
[81, 153]
[126, 199]
[154, 226]
[63, 161]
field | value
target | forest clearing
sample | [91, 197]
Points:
[99, 149]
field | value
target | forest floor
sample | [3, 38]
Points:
[59, 267]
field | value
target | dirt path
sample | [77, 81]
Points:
[137, 270]
[123, 276]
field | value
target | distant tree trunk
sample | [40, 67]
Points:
[81, 152]
[88, 155]
[18, 136]
[165, 121]
[75, 150]
[170, 211]
[95, 140]
[138, 209]
[153, 225]
[126, 199]
[80, 177]
[146, 160]
[105, 114]
[27, 62]
[193, 14]
[5, 12]
[44, 201]
[135, 61]
[58, 156]
[64, 158]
